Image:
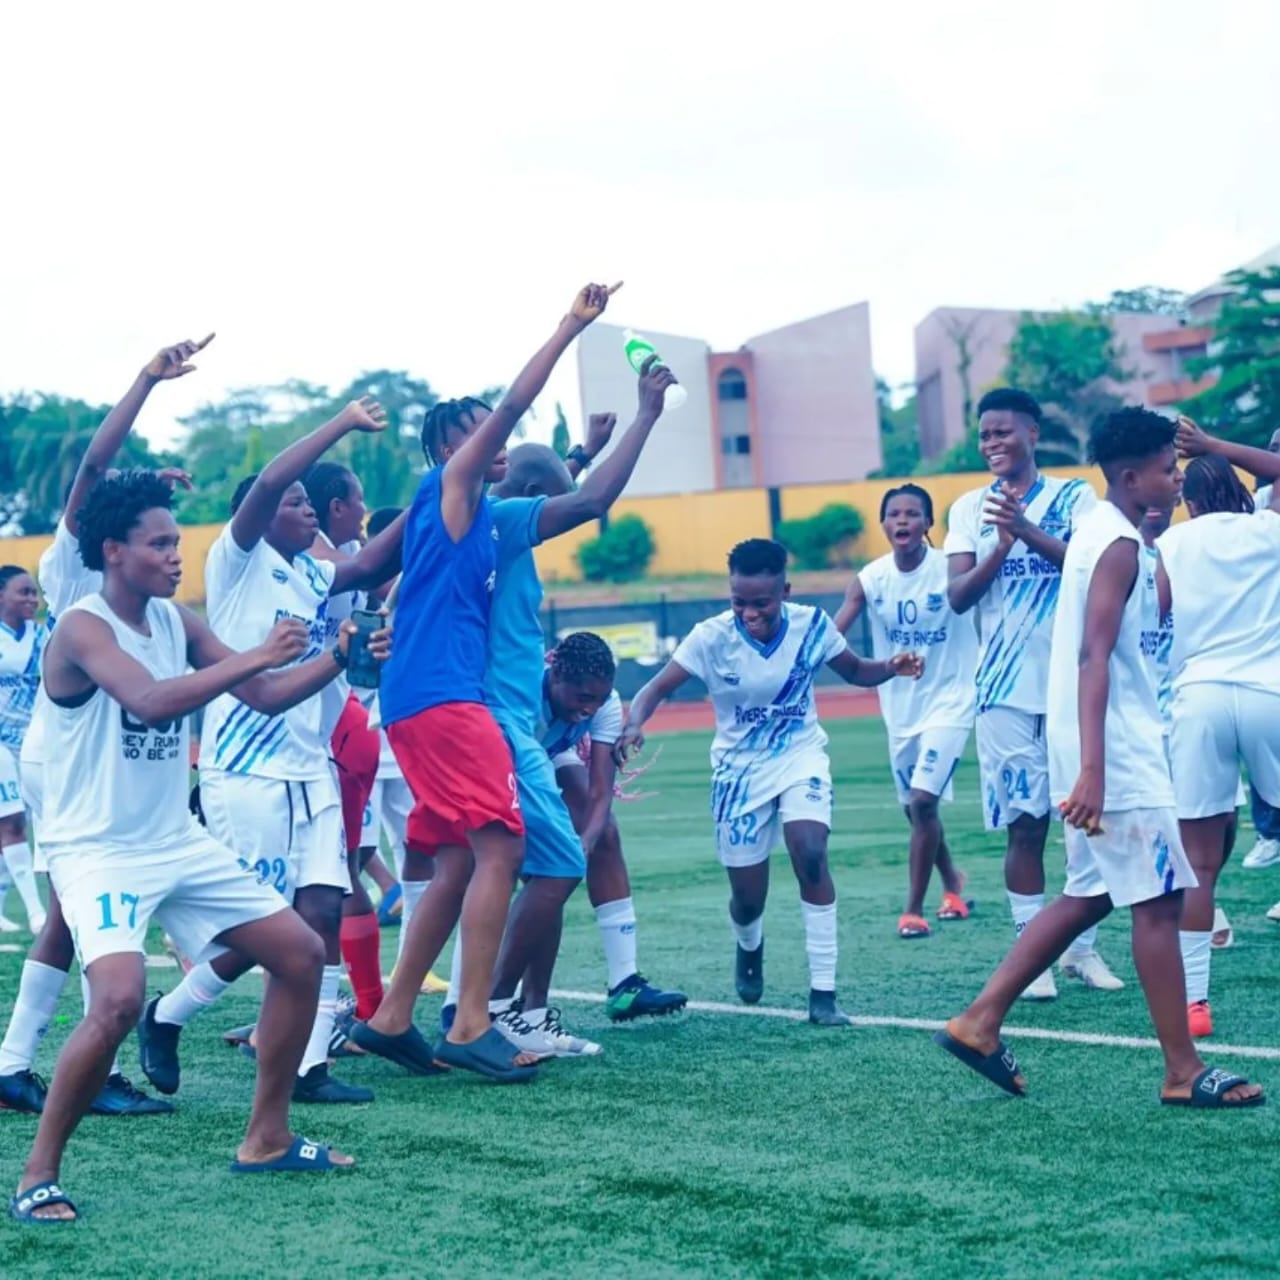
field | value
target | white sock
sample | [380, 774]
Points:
[751, 935]
[617, 924]
[1025, 907]
[455, 972]
[820, 944]
[1195, 962]
[197, 991]
[33, 1010]
[84, 995]
[1082, 946]
[411, 892]
[326, 1008]
[17, 858]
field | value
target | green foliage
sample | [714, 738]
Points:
[899, 435]
[620, 554]
[560, 441]
[1147, 300]
[822, 540]
[1244, 402]
[962, 456]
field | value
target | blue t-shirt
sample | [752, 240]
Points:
[513, 676]
[442, 616]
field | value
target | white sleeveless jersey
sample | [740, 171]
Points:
[333, 697]
[19, 680]
[247, 592]
[909, 612]
[767, 729]
[110, 780]
[1137, 772]
[1224, 572]
[1015, 615]
[1262, 498]
[1162, 658]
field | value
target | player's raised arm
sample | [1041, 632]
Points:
[643, 705]
[463, 482]
[1194, 442]
[166, 365]
[375, 564]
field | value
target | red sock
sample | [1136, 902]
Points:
[358, 938]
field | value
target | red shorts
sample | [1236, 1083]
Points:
[356, 749]
[459, 768]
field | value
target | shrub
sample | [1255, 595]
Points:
[620, 554]
[822, 540]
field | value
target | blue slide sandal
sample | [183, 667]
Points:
[303, 1156]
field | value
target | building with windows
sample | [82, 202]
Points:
[796, 405]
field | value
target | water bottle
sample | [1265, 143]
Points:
[638, 350]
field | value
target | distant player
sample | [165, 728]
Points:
[770, 773]
[1218, 573]
[1005, 547]
[928, 720]
[121, 845]
[1109, 776]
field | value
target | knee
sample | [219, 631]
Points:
[810, 859]
[744, 908]
[321, 908]
[116, 1010]
[610, 842]
[923, 807]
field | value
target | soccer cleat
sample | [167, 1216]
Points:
[824, 1012]
[1200, 1019]
[748, 975]
[23, 1091]
[158, 1050]
[564, 1045]
[317, 1085]
[635, 998]
[523, 1034]
[1043, 988]
[1091, 969]
[1265, 853]
[119, 1097]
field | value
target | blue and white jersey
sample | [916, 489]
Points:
[1015, 615]
[247, 593]
[19, 679]
[1163, 654]
[909, 613]
[559, 736]
[767, 730]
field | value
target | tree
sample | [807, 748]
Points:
[1244, 401]
[620, 554]
[823, 538]
[899, 434]
[1148, 300]
[560, 440]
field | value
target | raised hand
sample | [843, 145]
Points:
[365, 414]
[287, 642]
[599, 432]
[910, 665]
[1191, 441]
[175, 477]
[655, 378]
[173, 362]
[590, 303]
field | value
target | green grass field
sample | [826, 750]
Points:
[719, 1144]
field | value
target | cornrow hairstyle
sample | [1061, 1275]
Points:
[381, 519]
[242, 492]
[758, 556]
[325, 481]
[582, 656]
[1131, 434]
[446, 416]
[907, 491]
[8, 572]
[114, 506]
[1013, 401]
[1212, 484]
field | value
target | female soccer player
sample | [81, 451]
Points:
[769, 761]
[1217, 573]
[929, 719]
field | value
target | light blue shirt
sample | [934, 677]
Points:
[513, 671]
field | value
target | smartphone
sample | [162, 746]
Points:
[363, 671]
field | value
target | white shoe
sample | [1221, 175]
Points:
[9, 926]
[524, 1035]
[1222, 926]
[1274, 913]
[1091, 969]
[1266, 853]
[1043, 988]
[565, 1045]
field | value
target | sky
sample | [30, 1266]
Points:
[335, 188]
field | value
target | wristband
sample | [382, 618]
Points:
[579, 455]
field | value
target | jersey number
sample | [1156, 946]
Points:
[1016, 784]
[743, 830]
[273, 872]
[127, 900]
[907, 612]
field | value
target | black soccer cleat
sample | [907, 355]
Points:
[119, 1097]
[317, 1085]
[749, 974]
[158, 1050]
[23, 1091]
[634, 997]
[824, 1012]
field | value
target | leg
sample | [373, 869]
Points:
[17, 857]
[377, 870]
[952, 880]
[360, 942]
[532, 938]
[926, 842]
[748, 892]
[1204, 840]
[807, 846]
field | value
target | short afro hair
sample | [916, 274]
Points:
[758, 556]
[1131, 434]
[381, 519]
[114, 506]
[582, 656]
[1011, 400]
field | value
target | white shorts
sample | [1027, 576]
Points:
[1013, 760]
[1215, 726]
[32, 782]
[290, 833]
[195, 888]
[1242, 796]
[750, 839]
[1138, 857]
[11, 801]
[926, 761]
[390, 803]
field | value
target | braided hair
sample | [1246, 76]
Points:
[1212, 485]
[325, 481]
[114, 506]
[582, 656]
[908, 491]
[446, 416]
